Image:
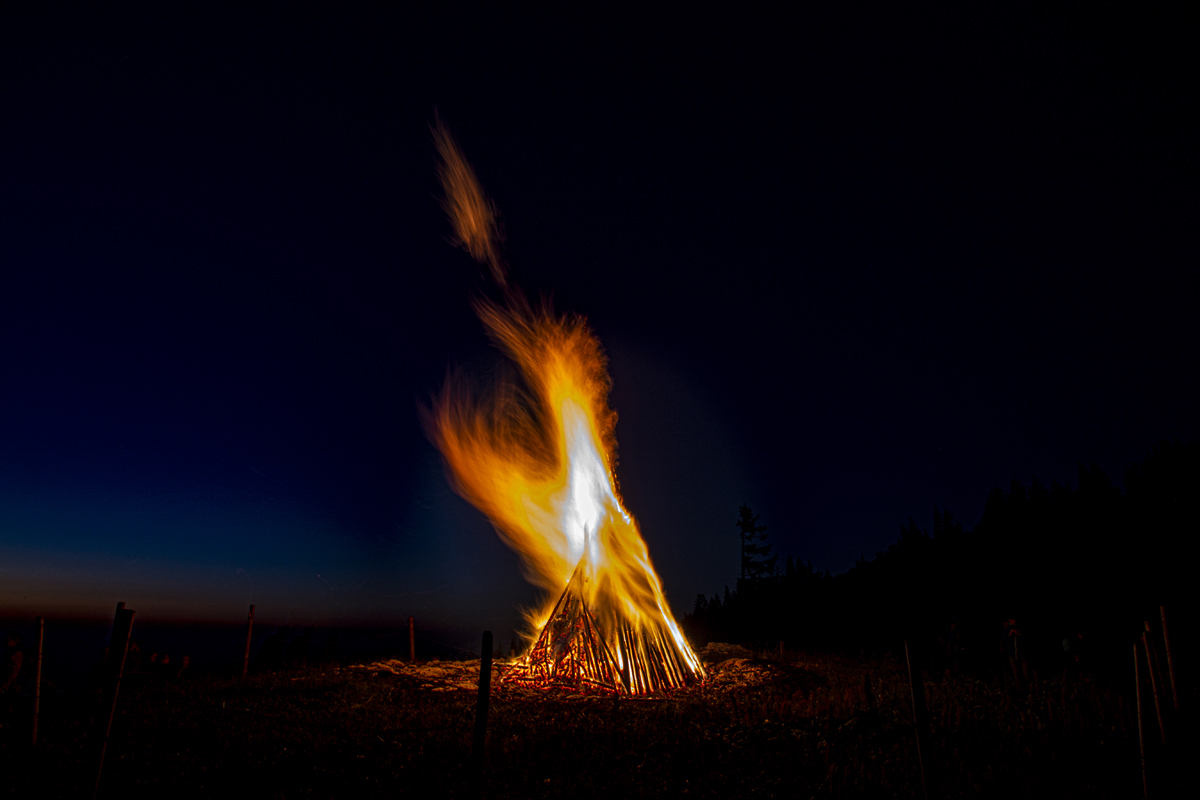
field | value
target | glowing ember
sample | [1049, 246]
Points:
[536, 455]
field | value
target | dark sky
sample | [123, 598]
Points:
[847, 269]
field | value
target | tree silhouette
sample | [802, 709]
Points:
[757, 561]
[1065, 562]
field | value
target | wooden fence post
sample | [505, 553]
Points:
[920, 713]
[37, 680]
[1151, 663]
[481, 715]
[114, 669]
[1137, 683]
[1162, 610]
[249, 630]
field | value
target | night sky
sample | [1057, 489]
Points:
[847, 269]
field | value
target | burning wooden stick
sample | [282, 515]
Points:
[571, 651]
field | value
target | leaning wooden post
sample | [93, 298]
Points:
[1150, 665]
[249, 630]
[481, 714]
[37, 680]
[412, 643]
[115, 667]
[1137, 683]
[920, 713]
[1170, 661]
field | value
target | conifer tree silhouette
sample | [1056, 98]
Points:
[757, 561]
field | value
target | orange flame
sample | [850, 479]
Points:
[536, 454]
[473, 214]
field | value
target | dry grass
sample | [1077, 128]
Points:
[800, 726]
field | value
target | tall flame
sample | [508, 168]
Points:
[536, 454]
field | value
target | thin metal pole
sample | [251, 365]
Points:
[1162, 610]
[412, 644]
[37, 680]
[117, 649]
[249, 630]
[1162, 731]
[1137, 683]
[481, 715]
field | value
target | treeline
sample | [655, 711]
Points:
[1085, 564]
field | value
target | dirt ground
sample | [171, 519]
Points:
[799, 725]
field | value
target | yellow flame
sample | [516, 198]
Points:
[536, 452]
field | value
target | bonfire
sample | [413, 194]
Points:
[536, 454]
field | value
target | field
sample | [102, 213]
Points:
[767, 726]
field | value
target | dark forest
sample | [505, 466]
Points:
[1078, 568]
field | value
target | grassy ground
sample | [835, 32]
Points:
[800, 726]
